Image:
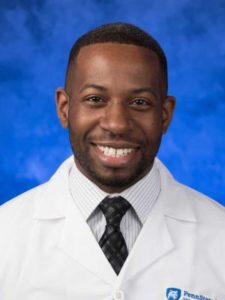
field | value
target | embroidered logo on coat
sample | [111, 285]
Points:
[173, 294]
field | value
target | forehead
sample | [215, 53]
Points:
[117, 53]
[120, 63]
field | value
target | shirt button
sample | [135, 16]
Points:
[119, 295]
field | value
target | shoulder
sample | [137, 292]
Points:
[20, 202]
[18, 210]
[206, 209]
[185, 200]
[24, 204]
[21, 209]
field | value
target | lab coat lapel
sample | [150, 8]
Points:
[78, 242]
[76, 239]
[156, 238]
[153, 242]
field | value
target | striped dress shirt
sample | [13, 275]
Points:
[142, 196]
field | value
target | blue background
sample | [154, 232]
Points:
[35, 38]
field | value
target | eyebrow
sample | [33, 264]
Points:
[92, 85]
[102, 88]
[144, 90]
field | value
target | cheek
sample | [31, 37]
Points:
[151, 128]
[81, 125]
[77, 120]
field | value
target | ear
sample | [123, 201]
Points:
[62, 105]
[168, 108]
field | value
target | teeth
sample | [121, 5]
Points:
[109, 151]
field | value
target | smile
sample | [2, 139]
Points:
[113, 152]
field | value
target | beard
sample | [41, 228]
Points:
[116, 180]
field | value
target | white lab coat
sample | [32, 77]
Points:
[48, 252]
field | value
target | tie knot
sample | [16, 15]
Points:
[114, 209]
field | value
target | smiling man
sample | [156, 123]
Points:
[116, 108]
[112, 223]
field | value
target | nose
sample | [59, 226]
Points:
[116, 119]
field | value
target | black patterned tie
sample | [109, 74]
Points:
[112, 241]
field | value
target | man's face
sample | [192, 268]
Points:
[116, 112]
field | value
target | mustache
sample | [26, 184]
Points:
[109, 137]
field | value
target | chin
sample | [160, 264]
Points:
[118, 180]
[112, 178]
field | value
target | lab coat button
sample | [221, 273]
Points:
[119, 295]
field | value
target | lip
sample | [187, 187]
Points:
[116, 145]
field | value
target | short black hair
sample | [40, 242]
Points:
[121, 33]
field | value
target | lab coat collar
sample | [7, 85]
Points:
[76, 239]
[175, 199]
[154, 241]
[53, 201]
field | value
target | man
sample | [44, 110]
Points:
[112, 223]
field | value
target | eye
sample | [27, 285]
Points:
[94, 99]
[140, 103]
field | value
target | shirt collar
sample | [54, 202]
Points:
[142, 195]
